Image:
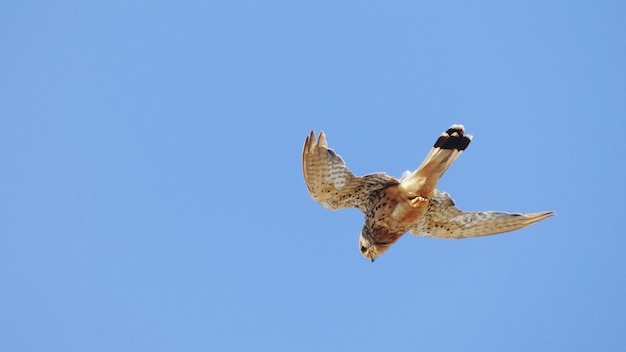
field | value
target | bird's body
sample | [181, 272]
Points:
[393, 206]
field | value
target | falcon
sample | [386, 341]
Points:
[394, 206]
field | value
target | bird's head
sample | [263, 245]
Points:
[369, 247]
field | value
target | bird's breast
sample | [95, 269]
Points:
[393, 212]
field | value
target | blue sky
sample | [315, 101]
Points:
[152, 196]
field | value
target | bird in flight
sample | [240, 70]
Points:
[394, 206]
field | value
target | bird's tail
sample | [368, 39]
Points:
[447, 148]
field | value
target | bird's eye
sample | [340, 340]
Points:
[363, 248]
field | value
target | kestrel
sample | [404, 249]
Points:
[394, 206]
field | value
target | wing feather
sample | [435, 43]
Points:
[331, 183]
[444, 220]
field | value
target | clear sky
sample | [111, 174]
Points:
[152, 198]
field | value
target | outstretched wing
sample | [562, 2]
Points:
[331, 183]
[444, 220]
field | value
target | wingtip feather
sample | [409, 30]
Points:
[536, 217]
[321, 140]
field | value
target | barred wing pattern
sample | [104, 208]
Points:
[331, 183]
[444, 220]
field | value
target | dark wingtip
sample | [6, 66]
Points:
[453, 138]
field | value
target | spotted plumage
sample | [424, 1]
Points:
[394, 206]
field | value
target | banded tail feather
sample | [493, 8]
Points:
[447, 148]
[453, 138]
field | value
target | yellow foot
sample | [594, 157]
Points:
[418, 201]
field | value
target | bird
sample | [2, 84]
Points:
[392, 206]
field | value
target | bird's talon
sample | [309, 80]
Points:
[418, 201]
